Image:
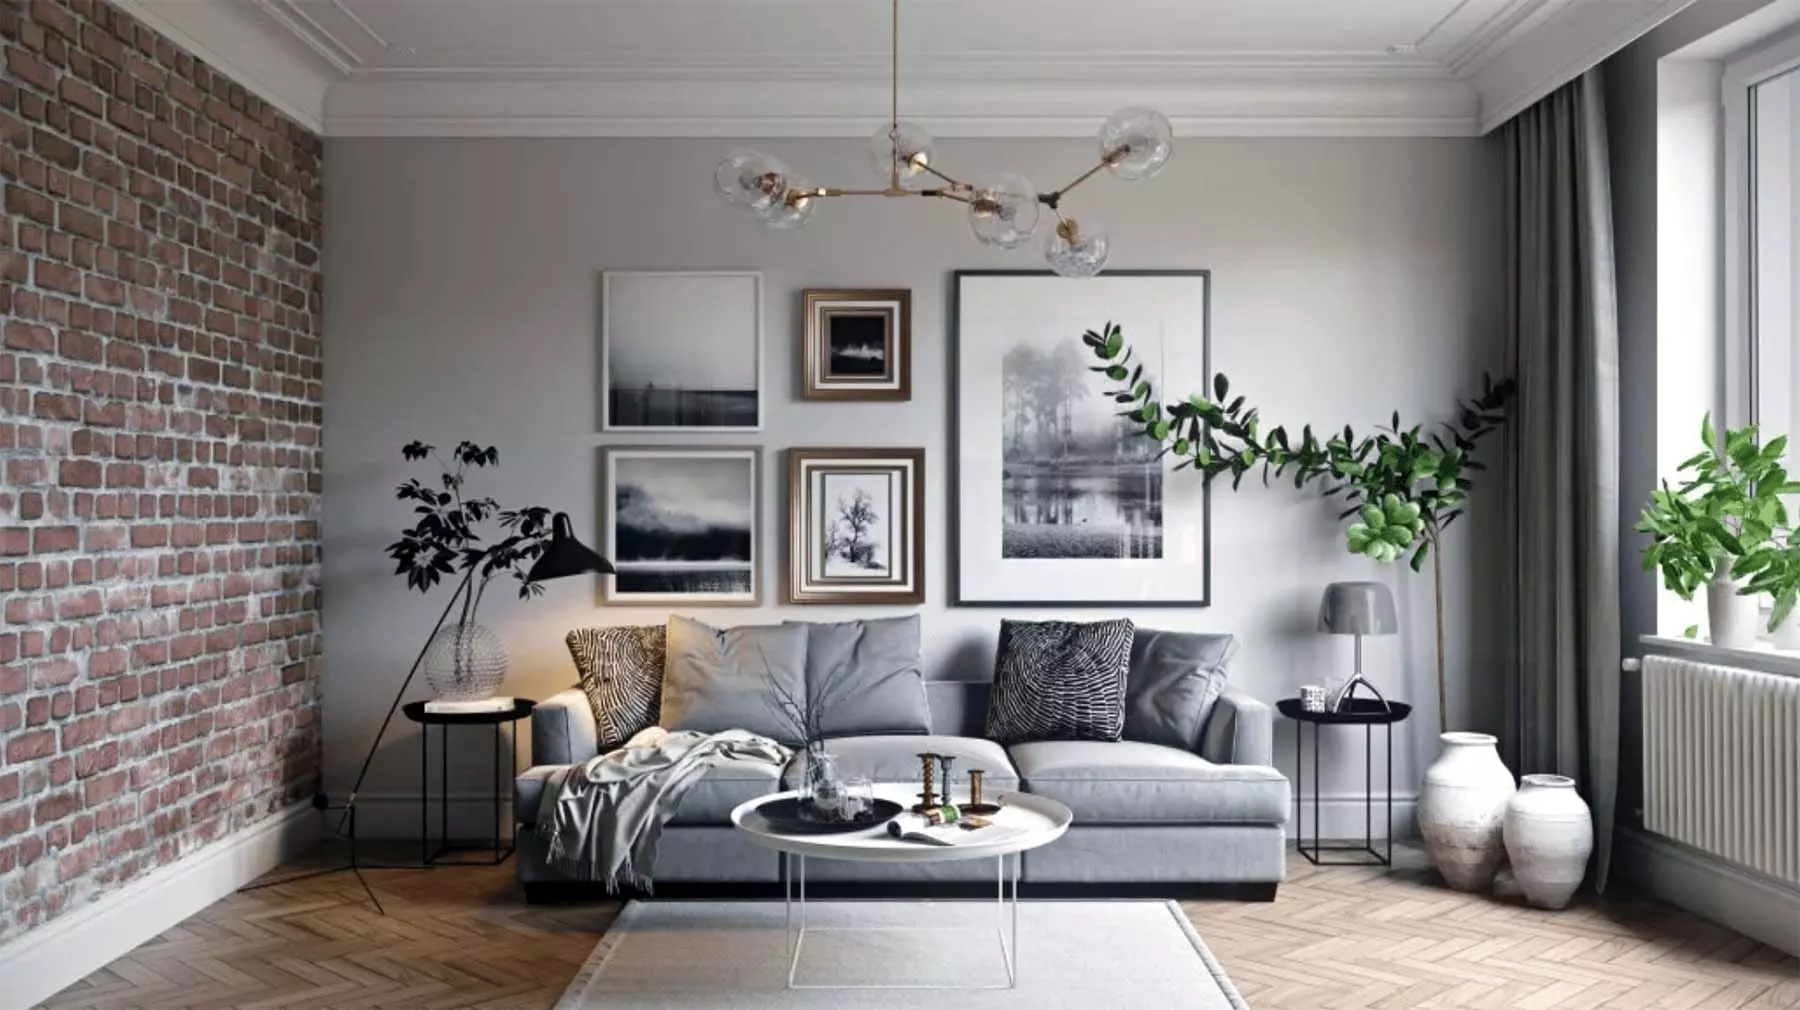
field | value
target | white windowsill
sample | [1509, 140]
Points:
[1765, 658]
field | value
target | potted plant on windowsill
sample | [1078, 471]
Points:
[1727, 528]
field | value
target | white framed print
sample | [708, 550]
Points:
[1055, 499]
[681, 525]
[856, 526]
[681, 351]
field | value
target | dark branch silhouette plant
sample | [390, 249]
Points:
[1404, 486]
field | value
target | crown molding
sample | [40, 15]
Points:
[1553, 50]
[1241, 100]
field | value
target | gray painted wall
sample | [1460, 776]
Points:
[1350, 278]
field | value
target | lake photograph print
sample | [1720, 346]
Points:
[1078, 481]
[683, 524]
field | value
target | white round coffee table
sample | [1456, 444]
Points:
[1035, 821]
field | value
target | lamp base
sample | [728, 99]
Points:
[1343, 693]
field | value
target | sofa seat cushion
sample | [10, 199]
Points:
[1144, 783]
[896, 759]
[708, 801]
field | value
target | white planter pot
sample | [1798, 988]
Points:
[1462, 808]
[1549, 836]
[1730, 618]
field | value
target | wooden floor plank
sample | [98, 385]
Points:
[1338, 938]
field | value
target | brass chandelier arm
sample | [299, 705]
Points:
[1112, 158]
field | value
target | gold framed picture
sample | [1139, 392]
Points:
[856, 526]
[856, 344]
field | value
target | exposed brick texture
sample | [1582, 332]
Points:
[160, 400]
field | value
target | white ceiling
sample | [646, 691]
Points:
[819, 67]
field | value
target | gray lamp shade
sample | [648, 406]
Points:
[1358, 608]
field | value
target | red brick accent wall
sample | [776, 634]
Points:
[160, 400]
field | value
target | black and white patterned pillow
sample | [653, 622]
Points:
[621, 673]
[1059, 680]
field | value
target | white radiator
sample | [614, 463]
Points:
[1722, 762]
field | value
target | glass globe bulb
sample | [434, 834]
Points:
[752, 179]
[1003, 210]
[907, 146]
[1077, 250]
[1135, 142]
[794, 208]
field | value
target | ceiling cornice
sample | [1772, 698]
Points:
[317, 65]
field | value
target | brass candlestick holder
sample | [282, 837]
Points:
[928, 797]
[977, 804]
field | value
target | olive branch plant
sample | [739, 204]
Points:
[1404, 486]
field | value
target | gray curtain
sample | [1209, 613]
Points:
[1562, 453]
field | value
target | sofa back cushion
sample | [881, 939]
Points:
[1174, 680]
[733, 678]
[1059, 680]
[864, 676]
[621, 673]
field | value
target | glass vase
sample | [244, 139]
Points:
[465, 662]
[822, 792]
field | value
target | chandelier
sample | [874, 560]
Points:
[1003, 207]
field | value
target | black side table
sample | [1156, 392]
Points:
[444, 720]
[1367, 713]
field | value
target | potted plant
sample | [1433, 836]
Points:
[1405, 486]
[1726, 527]
[464, 661]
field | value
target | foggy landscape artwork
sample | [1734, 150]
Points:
[856, 344]
[1058, 500]
[682, 525]
[1078, 481]
[681, 352]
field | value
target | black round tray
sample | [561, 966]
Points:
[784, 816]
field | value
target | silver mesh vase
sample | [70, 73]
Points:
[465, 662]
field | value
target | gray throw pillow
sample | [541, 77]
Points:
[864, 676]
[733, 678]
[1175, 679]
[1058, 680]
[621, 674]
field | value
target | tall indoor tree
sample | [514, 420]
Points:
[1404, 486]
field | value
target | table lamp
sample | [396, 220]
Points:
[1357, 608]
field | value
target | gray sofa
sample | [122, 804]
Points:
[1146, 816]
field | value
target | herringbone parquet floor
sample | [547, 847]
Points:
[1336, 939]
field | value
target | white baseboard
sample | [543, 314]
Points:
[1341, 817]
[1750, 903]
[70, 947]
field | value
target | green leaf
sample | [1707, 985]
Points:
[1115, 342]
[1706, 431]
[1117, 373]
[1221, 386]
[1418, 558]
[1159, 430]
[1691, 631]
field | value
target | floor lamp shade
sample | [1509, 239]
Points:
[565, 556]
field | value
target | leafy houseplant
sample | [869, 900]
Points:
[1725, 523]
[1404, 486]
[464, 661]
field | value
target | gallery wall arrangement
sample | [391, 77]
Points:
[1056, 499]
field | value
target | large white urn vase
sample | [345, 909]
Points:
[1462, 809]
[1549, 836]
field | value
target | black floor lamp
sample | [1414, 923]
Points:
[562, 557]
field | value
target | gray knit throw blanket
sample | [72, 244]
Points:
[603, 819]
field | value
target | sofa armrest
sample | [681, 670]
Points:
[1240, 731]
[563, 731]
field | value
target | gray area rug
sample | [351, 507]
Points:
[732, 955]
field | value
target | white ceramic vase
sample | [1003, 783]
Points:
[1549, 836]
[1462, 808]
[1730, 618]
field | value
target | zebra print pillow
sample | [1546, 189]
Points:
[621, 673]
[1058, 680]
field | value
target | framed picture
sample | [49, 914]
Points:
[681, 351]
[1056, 500]
[856, 345]
[682, 526]
[856, 526]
